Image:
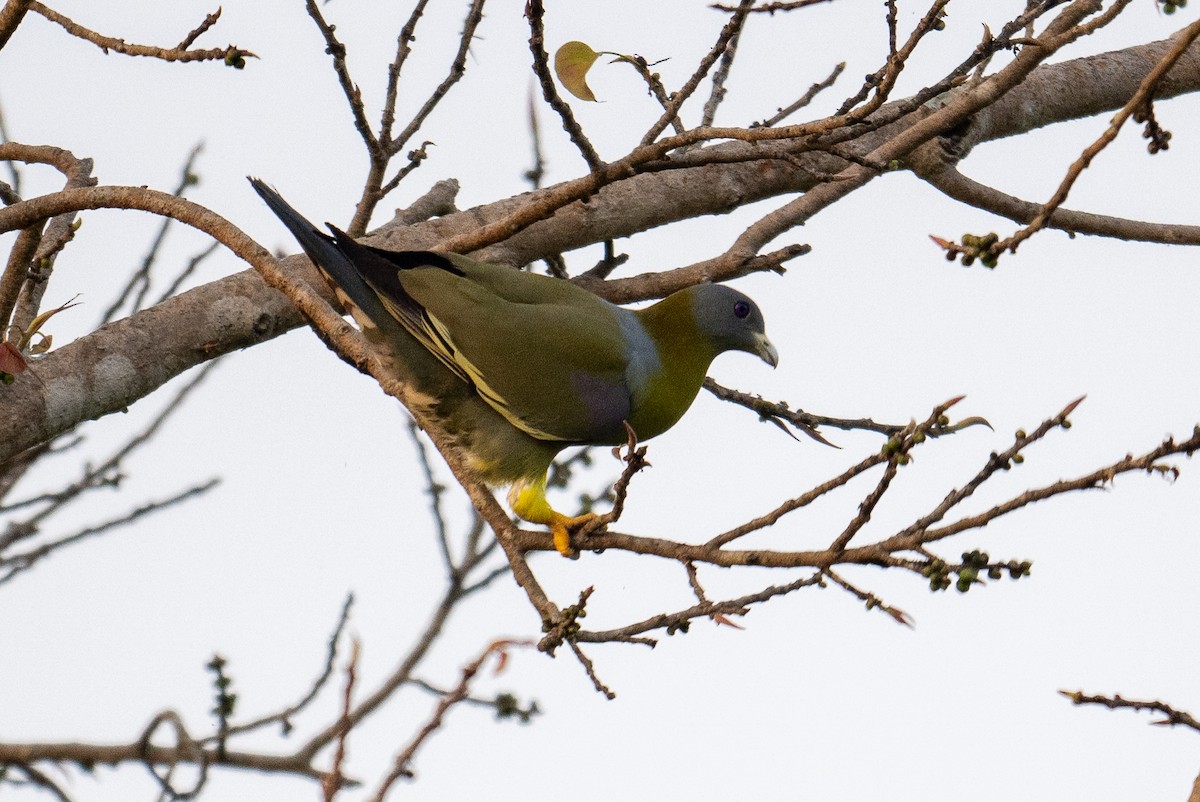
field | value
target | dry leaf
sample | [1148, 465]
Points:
[571, 64]
[11, 360]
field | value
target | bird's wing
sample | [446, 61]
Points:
[547, 355]
[555, 370]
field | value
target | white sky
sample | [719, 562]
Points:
[815, 699]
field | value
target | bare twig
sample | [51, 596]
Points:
[536, 11]
[805, 99]
[231, 55]
[139, 280]
[284, 717]
[404, 42]
[590, 668]
[32, 257]
[537, 169]
[332, 782]
[505, 705]
[1140, 102]
[871, 601]
[13, 564]
[724, 48]
[199, 30]
[1173, 716]
[679, 621]
[388, 146]
[958, 186]
[401, 764]
[187, 271]
[102, 474]
[186, 750]
[337, 52]
[717, 94]
[434, 489]
[771, 8]
[635, 461]
[458, 68]
[884, 79]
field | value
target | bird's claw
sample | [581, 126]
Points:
[562, 529]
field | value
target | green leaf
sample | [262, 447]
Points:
[571, 64]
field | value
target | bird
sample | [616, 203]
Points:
[515, 366]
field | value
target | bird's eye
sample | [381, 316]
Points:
[741, 309]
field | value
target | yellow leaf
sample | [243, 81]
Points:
[571, 64]
[40, 320]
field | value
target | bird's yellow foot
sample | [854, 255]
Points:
[560, 529]
[528, 500]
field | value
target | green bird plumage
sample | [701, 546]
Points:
[515, 366]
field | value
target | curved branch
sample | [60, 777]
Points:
[954, 184]
[33, 245]
[123, 361]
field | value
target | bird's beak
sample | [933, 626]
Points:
[766, 350]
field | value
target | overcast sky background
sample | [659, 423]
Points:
[815, 699]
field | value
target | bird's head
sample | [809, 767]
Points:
[731, 321]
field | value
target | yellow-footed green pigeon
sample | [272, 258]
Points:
[515, 366]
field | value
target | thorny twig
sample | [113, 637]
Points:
[231, 55]
[536, 12]
[284, 717]
[139, 280]
[389, 146]
[771, 8]
[13, 564]
[1174, 716]
[105, 474]
[724, 48]
[886, 551]
[1140, 103]
[332, 782]
[804, 99]
[779, 411]
[401, 768]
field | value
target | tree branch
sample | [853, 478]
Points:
[232, 55]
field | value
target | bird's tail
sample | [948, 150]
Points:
[329, 259]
